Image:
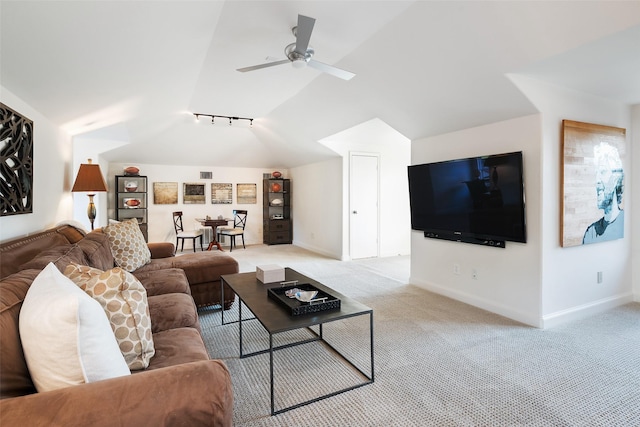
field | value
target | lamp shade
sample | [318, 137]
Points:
[89, 179]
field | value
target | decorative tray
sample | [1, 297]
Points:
[322, 301]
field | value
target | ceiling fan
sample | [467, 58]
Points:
[300, 54]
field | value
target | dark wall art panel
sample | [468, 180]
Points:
[16, 162]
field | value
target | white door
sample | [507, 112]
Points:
[363, 206]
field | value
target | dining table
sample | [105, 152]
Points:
[214, 223]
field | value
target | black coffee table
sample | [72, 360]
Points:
[275, 319]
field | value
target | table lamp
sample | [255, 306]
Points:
[89, 179]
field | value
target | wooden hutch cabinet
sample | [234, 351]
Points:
[276, 211]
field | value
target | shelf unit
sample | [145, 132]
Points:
[131, 200]
[276, 211]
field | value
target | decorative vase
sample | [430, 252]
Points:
[276, 174]
[131, 171]
[276, 187]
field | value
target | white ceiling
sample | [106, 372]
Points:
[130, 72]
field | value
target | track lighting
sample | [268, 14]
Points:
[231, 118]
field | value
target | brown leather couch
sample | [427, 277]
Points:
[181, 386]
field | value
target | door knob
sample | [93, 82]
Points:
[355, 212]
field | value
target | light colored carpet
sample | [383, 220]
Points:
[438, 362]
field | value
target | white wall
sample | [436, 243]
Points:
[160, 216]
[508, 280]
[569, 286]
[52, 175]
[85, 148]
[539, 283]
[635, 215]
[317, 206]
[394, 150]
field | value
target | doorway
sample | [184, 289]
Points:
[364, 228]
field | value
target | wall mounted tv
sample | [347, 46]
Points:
[475, 200]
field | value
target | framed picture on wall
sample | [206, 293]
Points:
[592, 183]
[16, 173]
[165, 193]
[193, 193]
[246, 194]
[221, 194]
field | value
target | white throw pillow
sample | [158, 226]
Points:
[66, 336]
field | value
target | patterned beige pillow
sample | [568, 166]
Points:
[128, 246]
[124, 299]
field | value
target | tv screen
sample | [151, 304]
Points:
[477, 198]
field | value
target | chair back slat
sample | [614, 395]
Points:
[177, 222]
[239, 218]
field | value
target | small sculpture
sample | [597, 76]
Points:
[131, 186]
[131, 171]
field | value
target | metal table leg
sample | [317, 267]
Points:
[273, 405]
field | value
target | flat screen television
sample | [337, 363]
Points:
[475, 200]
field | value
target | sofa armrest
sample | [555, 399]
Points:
[161, 250]
[196, 393]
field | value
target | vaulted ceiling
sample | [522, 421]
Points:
[128, 74]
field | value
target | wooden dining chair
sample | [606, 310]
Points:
[239, 223]
[181, 234]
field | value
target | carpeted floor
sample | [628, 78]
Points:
[438, 362]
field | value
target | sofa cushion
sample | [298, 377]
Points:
[97, 250]
[129, 249]
[61, 256]
[66, 337]
[177, 346]
[124, 300]
[200, 267]
[18, 251]
[165, 281]
[16, 380]
[161, 249]
[170, 311]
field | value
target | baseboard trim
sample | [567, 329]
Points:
[585, 310]
[545, 322]
[479, 303]
[316, 250]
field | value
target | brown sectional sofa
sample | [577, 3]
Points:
[181, 386]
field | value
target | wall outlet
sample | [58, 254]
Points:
[599, 277]
[456, 269]
[474, 274]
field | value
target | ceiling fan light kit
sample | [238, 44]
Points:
[300, 54]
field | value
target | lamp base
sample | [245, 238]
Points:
[91, 210]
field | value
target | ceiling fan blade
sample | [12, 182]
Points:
[330, 69]
[268, 64]
[303, 33]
